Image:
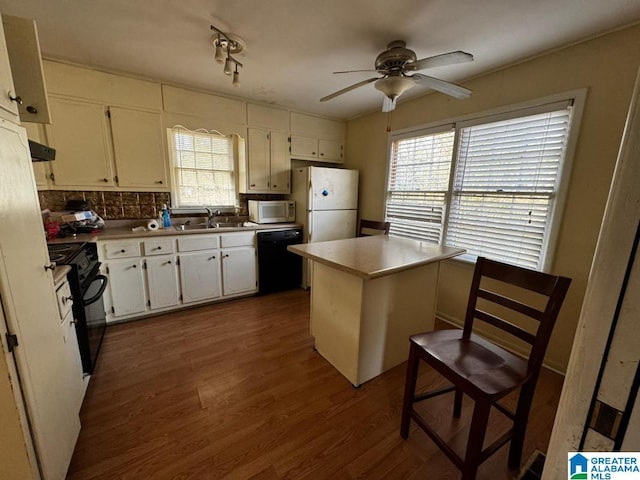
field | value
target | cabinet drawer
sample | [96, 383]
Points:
[191, 243]
[65, 301]
[240, 239]
[158, 246]
[122, 249]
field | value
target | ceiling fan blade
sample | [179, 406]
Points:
[355, 71]
[442, 86]
[388, 105]
[349, 88]
[450, 58]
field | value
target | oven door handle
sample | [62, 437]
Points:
[96, 297]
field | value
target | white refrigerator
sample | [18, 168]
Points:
[326, 204]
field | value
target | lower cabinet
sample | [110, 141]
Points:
[163, 273]
[126, 283]
[200, 276]
[162, 278]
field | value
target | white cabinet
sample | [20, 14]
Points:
[238, 270]
[104, 147]
[126, 284]
[8, 107]
[200, 276]
[26, 67]
[162, 279]
[80, 135]
[316, 138]
[138, 148]
[267, 168]
[75, 374]
[161, 273]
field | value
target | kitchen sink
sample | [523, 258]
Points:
[204, 226]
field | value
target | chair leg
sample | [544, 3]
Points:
[457, 403]
[520, 423]
[476, 440]
[409, 390]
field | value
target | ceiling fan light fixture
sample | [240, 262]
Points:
[394, 86]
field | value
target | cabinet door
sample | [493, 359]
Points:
[80, 135]
[258, 166]
[280, 167]
[304, 147]
[74, 363]
[138, 148]
[8, 108]
[126, 282]
[26, 66]
[200, 276]
[162, 278]
[41, 170]
[239, 270]
[330, 151]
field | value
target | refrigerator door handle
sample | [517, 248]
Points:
[310, 228]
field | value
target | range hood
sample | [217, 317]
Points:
[41, 153]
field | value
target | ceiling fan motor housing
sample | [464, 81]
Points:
[395, 57]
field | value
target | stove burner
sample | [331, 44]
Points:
[56, 257]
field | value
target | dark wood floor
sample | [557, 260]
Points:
[235, 390]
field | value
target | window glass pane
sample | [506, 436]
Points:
[418, 182]
[204, 166]
[500, 200]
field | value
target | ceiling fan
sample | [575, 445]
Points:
[397, 64]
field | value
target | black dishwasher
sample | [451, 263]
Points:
[278, 269]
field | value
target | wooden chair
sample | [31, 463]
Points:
[364, 225]
[481, 370]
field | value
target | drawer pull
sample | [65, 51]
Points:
[122, 251]
[226, 255]
[51, 266]
[134, 266]
[169, 262]
[158, 248]
[212, 258]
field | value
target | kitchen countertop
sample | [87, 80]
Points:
[114, 233]
[375, 256]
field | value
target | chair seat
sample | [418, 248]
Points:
[484, 367]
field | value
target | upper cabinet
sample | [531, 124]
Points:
[267, 167]
[26, 67]
[8, 103]
[100, 146]
[316, 138]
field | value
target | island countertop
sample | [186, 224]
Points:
[375, 256]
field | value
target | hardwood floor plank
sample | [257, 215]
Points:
[235, 390]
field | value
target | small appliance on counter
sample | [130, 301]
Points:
[272, 211]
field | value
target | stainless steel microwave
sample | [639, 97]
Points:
[272, 211]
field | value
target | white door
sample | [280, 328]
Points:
[239, 270]
[126, 283]
[30, 307]
[200, 276]
[333, 189]
[162, 278]
[325, 225]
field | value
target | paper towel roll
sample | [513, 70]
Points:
[152, 225]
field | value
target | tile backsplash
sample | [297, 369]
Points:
[109, 205]
[126, 205]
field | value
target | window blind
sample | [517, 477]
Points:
[418, 183]
[204, 168]
[504, 186]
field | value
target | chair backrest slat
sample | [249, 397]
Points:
[554, 287]
[512, 304]
[506, 326]
[372, 225]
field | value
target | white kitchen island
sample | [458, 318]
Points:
[369, 295]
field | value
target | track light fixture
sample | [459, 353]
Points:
[226, 46]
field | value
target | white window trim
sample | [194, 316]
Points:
[193, 209]
[578, 97]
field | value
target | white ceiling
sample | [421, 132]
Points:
[294, 45]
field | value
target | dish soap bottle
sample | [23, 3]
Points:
[166, 218]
